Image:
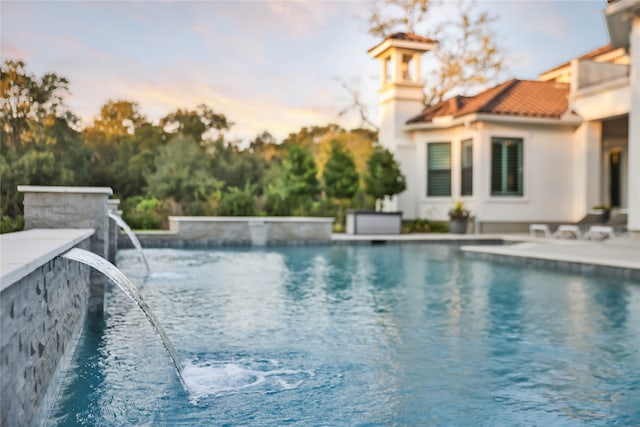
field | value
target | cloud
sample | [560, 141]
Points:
[551, 25]
[252, 113]
[301, 18]
[9, 51]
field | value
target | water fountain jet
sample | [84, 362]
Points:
[125, 284]
[132, 236]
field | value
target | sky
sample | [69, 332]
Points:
[265, 65]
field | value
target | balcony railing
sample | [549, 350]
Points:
[592, 73]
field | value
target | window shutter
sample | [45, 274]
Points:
[496, 167]
[513, 168]
[466, 168]
[439, 166]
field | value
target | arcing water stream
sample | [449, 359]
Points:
[132, 236]
[123, 282]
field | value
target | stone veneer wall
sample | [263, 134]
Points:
[72, 207]
[186, 232]
[41, 316]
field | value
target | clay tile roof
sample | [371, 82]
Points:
[409, 36]
[526, 98]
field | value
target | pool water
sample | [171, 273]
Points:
[357, 335]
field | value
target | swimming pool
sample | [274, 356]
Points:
[357, 335]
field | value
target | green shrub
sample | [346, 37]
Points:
[143, 213]
[237, 202]
[421, 225]
[9, 224]
[276, 200]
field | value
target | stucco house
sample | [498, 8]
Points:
[524, 151]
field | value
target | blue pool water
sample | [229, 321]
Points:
[358, 335]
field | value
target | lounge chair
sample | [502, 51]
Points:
[599, 232]
[618, 221]
[535, 229]
[568, 231]
[617, 224]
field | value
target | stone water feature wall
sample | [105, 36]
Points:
[43, 303]
[203, 231]
[73, 207]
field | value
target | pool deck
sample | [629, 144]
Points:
[618, 257]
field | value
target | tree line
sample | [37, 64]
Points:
[185, 163]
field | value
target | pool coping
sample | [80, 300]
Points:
[250, 219]
[559, 254]
[618, 257]
[25, 251]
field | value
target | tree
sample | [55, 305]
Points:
[291, 188]
[135, 160]
[235, 167]
[384, 178]
[118, 118]
[38, 143]
[182, 172]
[301, 172]
[196, 123]
[110, 139]
[27, 97]
[467, 56]
[340, 175]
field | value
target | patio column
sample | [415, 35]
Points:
[634, 130]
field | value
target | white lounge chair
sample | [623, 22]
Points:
[568, 231]
[599, 232]
[535, 229]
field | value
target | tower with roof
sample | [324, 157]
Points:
[401, 96]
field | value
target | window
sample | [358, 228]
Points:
[466, 168]
[388, 70]
[439, 169]
[407, 67]
[506, 166]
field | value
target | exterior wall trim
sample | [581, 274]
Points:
[468, 119]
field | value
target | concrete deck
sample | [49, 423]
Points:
[619, 252]
[24, 251]
[618, 257]
[465, 239]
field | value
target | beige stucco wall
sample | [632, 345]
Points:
[551, 189]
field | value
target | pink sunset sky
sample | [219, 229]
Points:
[266, 65]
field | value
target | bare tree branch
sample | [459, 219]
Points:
[356, 105]
[467, 57]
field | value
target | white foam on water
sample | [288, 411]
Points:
[204, 379]
[165, 276]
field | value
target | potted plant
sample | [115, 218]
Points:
[458, 218]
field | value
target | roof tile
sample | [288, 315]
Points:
[526, 98]
[409, 36]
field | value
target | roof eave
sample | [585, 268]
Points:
[567, 119]
[619, 16]
[419, 46]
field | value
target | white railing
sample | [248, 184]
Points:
[592, 73]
